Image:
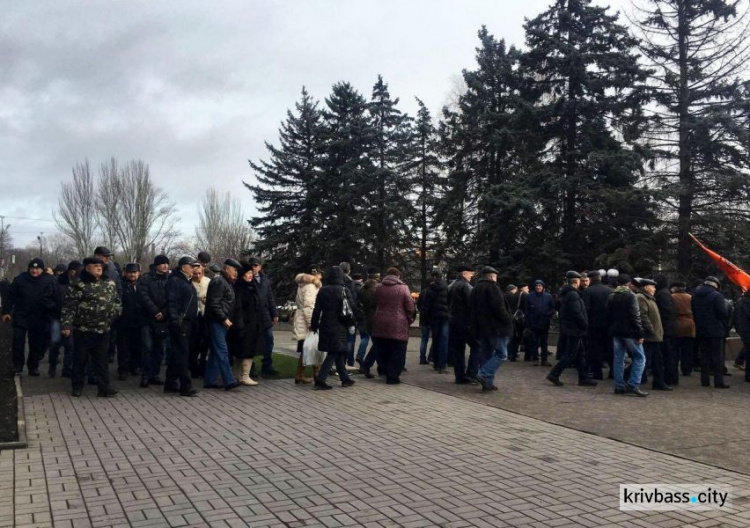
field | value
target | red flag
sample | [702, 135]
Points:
[733, 273]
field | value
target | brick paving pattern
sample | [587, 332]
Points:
[281, 455]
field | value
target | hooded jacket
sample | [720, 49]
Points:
[540, 307]
[326, 317]
[650, 318]
[307, 292]
[574, 320]
[490, 313]
[435, 303]
[623, 314]
[667, 308]
[710, 312]
[395, 311]
[91, 305]
[31, 301]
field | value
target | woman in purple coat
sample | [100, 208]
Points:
[394, 315]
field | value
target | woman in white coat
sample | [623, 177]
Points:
[308, 285]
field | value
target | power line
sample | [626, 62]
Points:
[32, 219]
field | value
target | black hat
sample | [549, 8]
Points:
[623, 279]
[204, 257]
[233, 263]
[161, 259]
[188, 260]
[246, 266]
[132, 266]
[215, 268]
[61, 268]
[104, 252]
[92, 260]
[678, 284]
[36, 263]
[465, 267]
[74, 265]
[712, 281]
[540, 281]
[435, 274]
[510, 287]
[487, 270]
[572, 275]
[314, 269]
[595, 274]
[253, 261]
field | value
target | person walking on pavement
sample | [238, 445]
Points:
[369, 308]
[219, 311]
[435, 310]
[574, 324]
[653, 333]
[155, 336]
[333, 327]
[710, 313]
[540, 308]
[685, 327]
[624, 320]
[491, 324]
[91, 306]
[30, 303]
[459, 305]
[600, 342]
[308, 285]
[182, 310]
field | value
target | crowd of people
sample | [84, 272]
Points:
[210, 321]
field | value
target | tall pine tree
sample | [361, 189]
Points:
[698, 52]
[289, 193]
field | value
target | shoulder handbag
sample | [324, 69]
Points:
[518, 315]
[347, 314]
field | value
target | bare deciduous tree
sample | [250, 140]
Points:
[222, 228]
[107, 204]
[76, 213]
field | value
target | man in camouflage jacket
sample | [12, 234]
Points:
[90, 308]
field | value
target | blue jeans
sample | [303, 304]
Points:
[364, 340]
[638, 356]
[423, 344]
[440, 332]
[268, 352]
[153, 352]
[495, 349]
[218, 359]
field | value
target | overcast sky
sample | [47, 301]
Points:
[195, 88]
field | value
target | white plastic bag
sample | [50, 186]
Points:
[310, 353]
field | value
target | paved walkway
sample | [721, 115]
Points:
[286, 456]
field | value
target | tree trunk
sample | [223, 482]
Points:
[685, 207]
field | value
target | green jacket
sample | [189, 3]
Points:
[650, 318]
[91, 305]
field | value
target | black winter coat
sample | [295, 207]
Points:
[326, 318]
[742, 318]
[154, 297]
[595, 298]
[435, 303]
[710, 312]
[182, 300]
[247, 336]
[219, 300]
[574, 320]
[31, 301]
[624, 316]
[490, 313]
[359, 313]
[459, 305]
[265, 295]
[133, 315]
[667, 307]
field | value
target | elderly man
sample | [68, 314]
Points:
[31, 301]
[624, 321]
[710, 313]
[156, 334]
[91, 306]
[459, 305]
[269, 314]
[219, 310]
[653, 333]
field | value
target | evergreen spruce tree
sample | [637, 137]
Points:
[387, 192]
[288, 194]
[348, 140]
[585, 73]
[698, 52]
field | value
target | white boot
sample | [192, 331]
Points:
[245, 379]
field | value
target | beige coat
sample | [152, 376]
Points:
[307, 292]
[201, 289]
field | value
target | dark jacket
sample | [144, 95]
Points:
[133, 315]
[326, 319]
[667, 308]
[154, 297]
[742, 318]
[112, 272]
[61, 284]
[357, 305]
[540, 307]
[220, 300]
[265, 295]
[435, 303]
[31, 301]
[395, 312]
[623, 314]
[246, 337]
[91, 305]
[182, 300]
[459, 305]
[490, 313]
[368, 302]
[574, 321]
[710, 312]
[595, 298]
